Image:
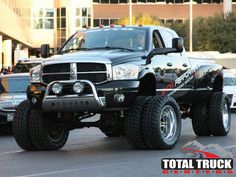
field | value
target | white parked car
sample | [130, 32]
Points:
[230, 88]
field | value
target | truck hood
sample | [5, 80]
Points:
[9, 101]
[115, 57]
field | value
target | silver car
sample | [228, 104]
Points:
[12, 92]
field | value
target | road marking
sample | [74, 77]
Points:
[10, 152]
[73, 170]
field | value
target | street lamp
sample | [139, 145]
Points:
[191, 26]
[130, 12]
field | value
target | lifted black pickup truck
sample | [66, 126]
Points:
[138, 78]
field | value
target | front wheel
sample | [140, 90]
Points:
[47, 131]
[161, 123]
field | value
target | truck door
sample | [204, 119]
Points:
[182, 72]
[162, 67]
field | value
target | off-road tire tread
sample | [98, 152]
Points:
[151, 131]
[20, 126]
[38, 133]
[200, 120]
[133, 124]
[215, 113]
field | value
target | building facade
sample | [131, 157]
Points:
[26, 24]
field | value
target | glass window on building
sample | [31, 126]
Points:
[77, 11]
[43, 18]
[160, 0]
[206, 1]
[38, 23]
[96, 22]
[142, 1]
[49, 23]
[96, 1]
[179, 21]
[123, 1]
[86, 17]
[63, 23]
[63, 12]
[105, 22]
[169, 1]
[198, 1]
[114, 21]
[84, 12]
[77, 23]
[179, 1]
[105, 1]
[49, 12]
[150, 1]
[61, 26]
[134, 1]
[219, 1]
[113, 1]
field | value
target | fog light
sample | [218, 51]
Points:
[119, 98]
[78, 87]
[57, 88]
[34, 100]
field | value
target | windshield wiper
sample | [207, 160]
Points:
[110, 48]
[74, 49]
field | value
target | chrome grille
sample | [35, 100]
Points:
[94, 72]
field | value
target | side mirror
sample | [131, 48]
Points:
[178, 44]
[45, 50]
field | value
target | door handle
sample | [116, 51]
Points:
[185, 65]
[169, 64]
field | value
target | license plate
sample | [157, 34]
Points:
[9, 117]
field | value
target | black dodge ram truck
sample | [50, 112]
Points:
[138, 78]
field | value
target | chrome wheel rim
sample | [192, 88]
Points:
[225, 117]
[168, 123]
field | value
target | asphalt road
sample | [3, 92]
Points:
[88, 153]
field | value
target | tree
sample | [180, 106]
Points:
[141, 20]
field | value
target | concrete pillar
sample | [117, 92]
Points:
[7, 53]
[1, 51]
[227, 6]
[26, 52]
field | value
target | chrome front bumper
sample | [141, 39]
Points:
[73, 103]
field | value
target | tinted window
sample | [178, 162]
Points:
[167, 37]
[131, 38]
[14, 84]
[229, 81]
[23, 67]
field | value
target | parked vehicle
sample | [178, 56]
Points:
[24, 65]
[12, 92]
[138, 78]
[230, 88]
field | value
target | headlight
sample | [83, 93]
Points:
[35, 74]
[125, 71]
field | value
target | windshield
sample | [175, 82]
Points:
[14, 84]
[230, 81]
[23, 67]
[112, 38]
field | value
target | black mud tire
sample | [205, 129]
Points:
[152, 122]
[39, 132]
[111, 125]
[133, 124]
[20, 126]
[218, 105]
[200, 120]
